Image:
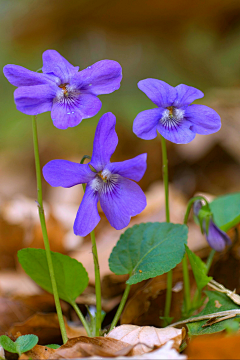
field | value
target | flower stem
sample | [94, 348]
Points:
[96, 269]
[210, 260]
[82, 318]
[186, 281]
[97, 284]
[165, 180]
[44, 231]
[121, 306]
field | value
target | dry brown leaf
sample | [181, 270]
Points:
[99, 346]
[38, 352]
[19, 308]
[147, 337]
[46, 327]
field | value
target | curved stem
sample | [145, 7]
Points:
[186, 281]
[120, 307]
[82, 318]
[165, 180]
[44, 232]
[189, 205]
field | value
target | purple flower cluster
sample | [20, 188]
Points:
[109, 183]
[216, 238]
[174, 118]
[69, 94]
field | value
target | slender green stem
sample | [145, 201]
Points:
[82, 318]
[44, 231]
[165, 176]
[120, 307]
[210, 260]
[165, 180]
[97, 271]
[97, 284]
[187, 294]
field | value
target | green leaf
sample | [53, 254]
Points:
[215, 300]
[25, 343]
[226, 211]
[71, 276]
[53, 346]
[8, 344]
[148, 250]
[199, 269]
[22, 344]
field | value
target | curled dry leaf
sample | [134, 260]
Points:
[84, 346]
[147, 337]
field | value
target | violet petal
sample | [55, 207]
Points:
[70, 113]
[66, 173]
[103, 77]
[186, 95]
[133, 169]
[105, 141]
[204, 119]
[126, 199]
[33, 100]
[87, 216]
[54, 63]
[161, 93]
[19, 76]
[146, 122]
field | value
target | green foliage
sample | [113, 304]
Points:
[53, 346]
[226, 211]
[22, 344]
[199, 269]
[71, 276]
[148, 250]
[215, 300]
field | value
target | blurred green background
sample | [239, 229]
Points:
[178, 41]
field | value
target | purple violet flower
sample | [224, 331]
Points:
[107, 182]
[216, 238]
[174, 118]
[69, 94]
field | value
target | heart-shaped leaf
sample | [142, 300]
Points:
[71, 276]
[226, 210]
[22, 344]
[148, 250]
[199, 269]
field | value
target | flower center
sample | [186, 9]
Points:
[64, 88]
[104, 181]
[171, 117]
[67, 94]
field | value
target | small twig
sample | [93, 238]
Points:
[214, 321]
[231, 294]
[209, 316]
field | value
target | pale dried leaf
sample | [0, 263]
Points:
[164, 352]
[146, 337]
